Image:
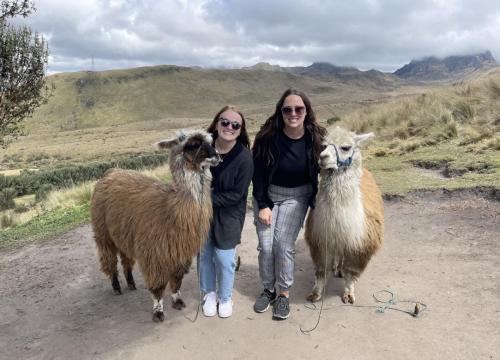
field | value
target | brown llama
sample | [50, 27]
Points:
[161, 226]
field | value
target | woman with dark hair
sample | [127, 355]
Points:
[230, 181]
[285, 183]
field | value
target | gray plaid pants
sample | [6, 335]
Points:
[277, 242]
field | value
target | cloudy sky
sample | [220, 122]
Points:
[378, 34]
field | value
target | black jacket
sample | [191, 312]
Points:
[263, 173]
[230, 182]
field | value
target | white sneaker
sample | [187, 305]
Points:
[226, 308]
[210, 304]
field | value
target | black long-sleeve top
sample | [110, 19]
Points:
[263, 173]
[230, 182]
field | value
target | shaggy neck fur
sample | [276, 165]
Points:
[340, 192]
[196, 183]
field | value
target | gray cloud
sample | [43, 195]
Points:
[364, 33]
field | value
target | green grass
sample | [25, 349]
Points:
[44, 226]
[398, 175]
[453, 129]
[62, 210]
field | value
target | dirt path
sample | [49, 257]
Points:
[441, 250]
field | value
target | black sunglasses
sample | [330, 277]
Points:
[288, 110]
[234, 124]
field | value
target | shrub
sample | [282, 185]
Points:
[28, 182]
[21, 208]
[451, 130]
[380, 153]
[7, 219]
[401, 132]
[7, 196]
[410, 146]
[494, 144]
[471, 136]
[464, 112]
[42, 192]
[333, 120]
[494, 88]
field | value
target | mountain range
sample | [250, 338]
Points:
[426, 69]
[432, 68]
[89, 99]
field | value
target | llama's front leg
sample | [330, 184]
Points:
[320, 276]
[319, 284]
[348, 296]
[175, 288]
[157, 293]
[175, 283]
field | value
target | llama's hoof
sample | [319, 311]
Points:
[115, 284]
[313, 296]
[178, 304]
[158, 316]
[131, 286]
[348, 298]
[338, 274]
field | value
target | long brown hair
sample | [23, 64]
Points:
[274, 125]
[242, 138]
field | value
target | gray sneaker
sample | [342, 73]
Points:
[265, 299]
[281, 309]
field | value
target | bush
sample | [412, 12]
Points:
[29, 182]
[410, 146]
[493, 144]
[380, 153]
[494, 88]
[333, 120]
[7, 220]
[7, 196]
[464, 112]
[21, 208]
[401, 132]
[42, 192]
[472, 136]
[451, 130]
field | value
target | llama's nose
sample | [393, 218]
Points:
[323, 156]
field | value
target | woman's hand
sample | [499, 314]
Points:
[265, 216]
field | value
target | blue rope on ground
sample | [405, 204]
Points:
[417, 311]
[383, 304]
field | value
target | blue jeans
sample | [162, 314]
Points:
[216, 269]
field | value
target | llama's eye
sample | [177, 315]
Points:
[345, 148]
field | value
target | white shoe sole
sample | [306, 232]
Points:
[209, 314]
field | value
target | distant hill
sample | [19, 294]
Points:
[264, 66]
[328, 71]
[452, 67]
[89, 99]
[325, 70]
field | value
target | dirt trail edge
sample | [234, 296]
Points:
[440, 249]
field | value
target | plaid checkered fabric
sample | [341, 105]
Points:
[277, 242]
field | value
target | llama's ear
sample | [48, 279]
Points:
[166, 144]
[361, 139]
